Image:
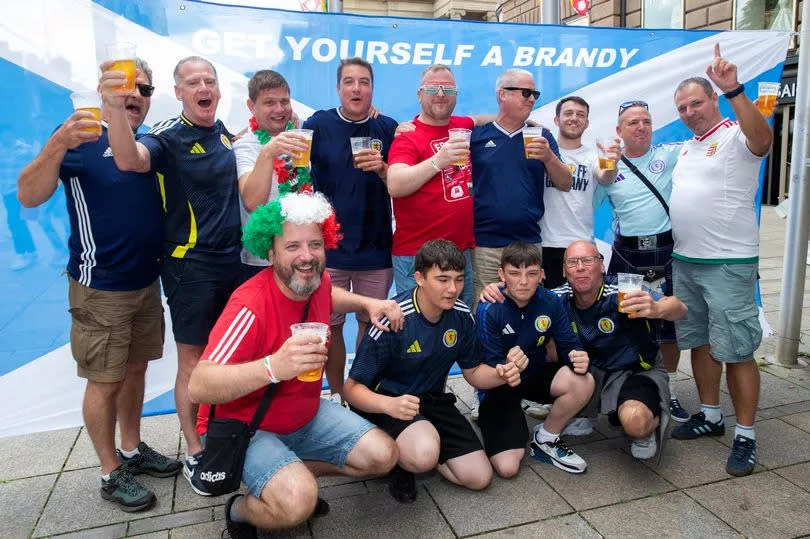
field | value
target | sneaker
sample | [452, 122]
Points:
[534, 409]
[743, 456]
[150, 462]
[337, 399]
[189, 470]
[22, 261]
[321, 508]
[579, 426]
[644, 448]
[123, 489]
[474, 412]
[676, 411]
[559, 455]
[402, 485]
[698, 426]
[238, 530]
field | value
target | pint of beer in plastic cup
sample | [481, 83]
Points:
[766, 97]
[628, 282]
[303, 161]
[321, 331]
[605, 162]
[530, 134]
[460, 132]
[359, 145]
[123, 58]
[88, 102]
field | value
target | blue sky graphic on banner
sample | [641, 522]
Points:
[43, 58]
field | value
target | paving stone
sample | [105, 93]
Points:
[688, 397]
[775, 391]
[798, 474]
[687, 463]
[35, 454]
[769, 413]
[185, 498]
[524, 498]
[603, 427]
[667, 515]
[21, 502]
[341, 491]
[553, 528]
[374, 516]
[600, 446]
[761, 505]
[334, 480]
[198, 531]
[464, 391]
[801, 420]
[612, 476]
[794, 408]
[155, 535]
[778, 443]
[105, 532]
[171, 520]
[299, 532]
[75, 503]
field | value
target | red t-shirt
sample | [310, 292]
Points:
[443, 206]
[255, 323]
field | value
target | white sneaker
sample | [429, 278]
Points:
[579, 426]
[534, 409]
[557, 454]
[644, 448]
[337, 399]
[474, 411]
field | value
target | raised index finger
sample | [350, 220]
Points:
[717, 50]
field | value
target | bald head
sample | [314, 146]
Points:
[581, 248]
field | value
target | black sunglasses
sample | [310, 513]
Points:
[627, 104]
[525, 91]
[146, 90]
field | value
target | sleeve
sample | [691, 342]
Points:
[375, 353]
[156, 144]
[235, 337]
[467, 122]
[599, 195]
[469, 351]
[389, 127]
[489, 336]
[561, 330]
[247, 152]
[403, 150]
[745, 151]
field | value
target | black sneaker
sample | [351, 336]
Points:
[743, 456]
[321, 508]
[676, 411]
[238, 530]
[402, 485]
[150, 462]
[698, 426]
[123, 489]
[189, 471]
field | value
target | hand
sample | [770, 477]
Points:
[70, 134]
[292, 144]
[509, 373]
[579, 360]
[404, 127]
[638, 304]
[373, 112]
[404, 407]
[455, 150]
[369, 161]
[239, 135]
[110, 83]
[300, 353]
[613, 151]
[722, 72]
[493, 293]
[539, 148]
[388, 308]
[515, 355]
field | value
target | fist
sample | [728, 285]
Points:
[579, 360]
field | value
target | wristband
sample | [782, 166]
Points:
[269, 371]
[433, 162]
[735, 92]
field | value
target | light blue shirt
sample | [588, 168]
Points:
[636, 210]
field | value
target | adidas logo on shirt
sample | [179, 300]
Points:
[197, 148]
[489, 144]
[414, 348]
[107, 152]
[507, 330]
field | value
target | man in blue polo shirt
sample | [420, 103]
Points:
[114, 296]
[356, 187]
[519, 329]
[397, 379]
[196, 170]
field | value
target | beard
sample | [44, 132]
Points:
[300, 285]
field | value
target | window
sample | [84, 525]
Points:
[764, 15]
[662, 14]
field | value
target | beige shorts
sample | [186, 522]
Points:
[110, 328]
[371, 283]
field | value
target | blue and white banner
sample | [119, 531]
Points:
[50, 48]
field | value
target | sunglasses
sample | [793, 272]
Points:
[627, 104]
[526, 92]
[587, 261]
[145, 90]
[433, 89]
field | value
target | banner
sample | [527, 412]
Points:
[50, 48]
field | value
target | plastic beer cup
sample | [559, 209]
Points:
[359, 145]
[628, 282]
[123, 58]
[460, 132]
[530, 134]
[768, 92]
[88, 102]
[303, 161]
[318, 329]
[605, 163]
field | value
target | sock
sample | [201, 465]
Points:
[541, 435]
[105, 476]
[130, 454]
[745, 432]
[672, 394]
[235, 516]
[712, 412]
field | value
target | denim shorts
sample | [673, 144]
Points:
[329, 437]
[722, 313]
[404, 269]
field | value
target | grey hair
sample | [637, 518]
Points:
[192, 59]
[510, 75]
[141, 64]
[700, 81]
[435, 67]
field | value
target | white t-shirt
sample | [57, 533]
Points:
[247, 151]
[713, 203]
[568, 215]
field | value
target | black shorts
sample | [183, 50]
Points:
[500, 417]
[553, 266]
[456, 436]
[638, 388]
[197, 292]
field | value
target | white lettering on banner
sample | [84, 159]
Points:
[494, 56]
[551, 57]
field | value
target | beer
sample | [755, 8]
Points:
[123, 59]
[458, 132]
[88, 102]
[606, 164]
[96, 112]
[359, 146]
[531, 134]
[602, 144]
[128, 67]
[311, 376]
[767, 96]
[303, 160]
[319, 330]
[628, 282]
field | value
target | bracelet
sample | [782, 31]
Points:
[735, 92]
[433, 162]
[269, 371]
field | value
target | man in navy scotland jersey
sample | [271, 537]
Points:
[196, 169]
[508, 178]
[518, 331]
[116, 313]
[356, 187]
[397, 379]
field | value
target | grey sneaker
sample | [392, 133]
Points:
[123, 489]
[151, 462]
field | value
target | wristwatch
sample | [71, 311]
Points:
[735, 92]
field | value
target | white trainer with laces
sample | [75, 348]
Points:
[535, 409]
[557, 454]
[644, 448]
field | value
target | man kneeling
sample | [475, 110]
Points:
[397, 379]
[301, 436]
[517, 331]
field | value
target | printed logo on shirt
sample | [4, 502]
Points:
[456, 180]
[540, 341]
[606, 325]
[196, 148]
[489, 144]
[507, 330]
[712, 149]
[414, 348]
[571, 167]
[541, 323]
[656, 166]
[225, 142]
[107, 152]
[376, 144]
[450, 338]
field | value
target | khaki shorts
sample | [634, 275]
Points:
[371, 283]
[109, 329]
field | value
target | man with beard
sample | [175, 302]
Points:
[114, 295]
[196, 169]
[301, 436]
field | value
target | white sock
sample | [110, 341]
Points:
[105, 476]
[745, 431]
[130, 454]
[712, 412]
[541, 435]
[672, 394]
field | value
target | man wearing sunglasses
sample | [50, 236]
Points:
[639, 195]
[114, 295]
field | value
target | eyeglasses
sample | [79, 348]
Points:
[433, 89]
[526, 92]
[587, 261]
[628, 104]
[146, 90]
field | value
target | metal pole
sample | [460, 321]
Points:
[335, 6]
[798, 221]
[551, 12]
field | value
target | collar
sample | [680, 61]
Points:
[500, 128]
[189, 123]
[347, 120]
[725, 122]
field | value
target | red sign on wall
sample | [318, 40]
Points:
[581, 6]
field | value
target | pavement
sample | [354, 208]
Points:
[49, 481]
